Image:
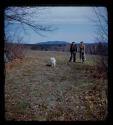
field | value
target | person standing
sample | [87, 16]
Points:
[73, 51]
[82, 52]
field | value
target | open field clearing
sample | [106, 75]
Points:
[36, 91]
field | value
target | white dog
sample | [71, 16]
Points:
[53, 61]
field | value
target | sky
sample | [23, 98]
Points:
[70, 23]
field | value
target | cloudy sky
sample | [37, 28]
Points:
[71, 24]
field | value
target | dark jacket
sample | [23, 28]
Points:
[73, 48]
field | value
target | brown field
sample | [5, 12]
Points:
[68, 92]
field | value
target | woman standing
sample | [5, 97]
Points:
[82, 52]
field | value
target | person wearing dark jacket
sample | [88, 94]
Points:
[73, 50]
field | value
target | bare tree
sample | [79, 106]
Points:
[26, 18]
[102, 48]
[102, 26]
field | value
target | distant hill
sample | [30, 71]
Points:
[53, 43]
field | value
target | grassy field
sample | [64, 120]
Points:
[35, 91]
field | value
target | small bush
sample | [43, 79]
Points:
[101, 68]
[13, 51]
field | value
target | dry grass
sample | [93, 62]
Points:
[35, 91]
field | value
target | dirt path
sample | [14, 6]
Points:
[35, 91]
